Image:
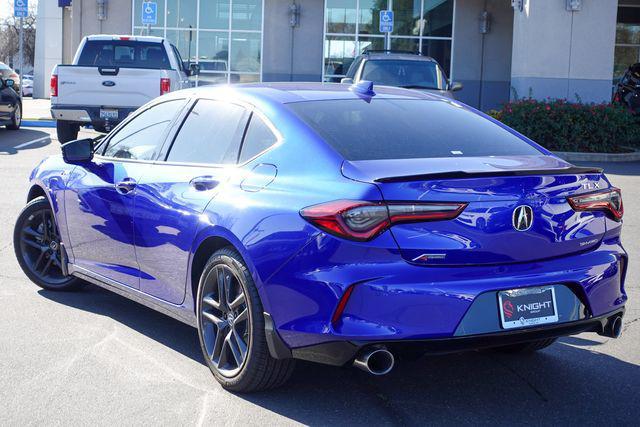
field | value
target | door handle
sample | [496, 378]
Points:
[204, 183]
[126, 186]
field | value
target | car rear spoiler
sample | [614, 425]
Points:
[573, 170]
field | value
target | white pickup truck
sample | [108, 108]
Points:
[110, 77]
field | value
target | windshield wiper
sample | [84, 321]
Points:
[419, 87]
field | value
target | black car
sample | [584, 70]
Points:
[10, 105]
[408, 70]
[628, 89]
[7, 72]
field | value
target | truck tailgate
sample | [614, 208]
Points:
[102, 86]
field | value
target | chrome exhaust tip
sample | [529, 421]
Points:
[613, 327]
[375, 360]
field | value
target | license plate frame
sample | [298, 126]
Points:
[518, 309]
[109, 114]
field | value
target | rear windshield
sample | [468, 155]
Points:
[407, 129]
[124, 53]
[415, 74]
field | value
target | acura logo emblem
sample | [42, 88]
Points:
[522, 218]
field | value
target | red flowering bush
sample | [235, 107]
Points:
[562, 126]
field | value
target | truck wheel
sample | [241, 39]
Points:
[16, 119]
[67, 131]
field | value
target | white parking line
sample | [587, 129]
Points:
[26, 144]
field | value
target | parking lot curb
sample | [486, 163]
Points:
[633, 156]
[36, 123]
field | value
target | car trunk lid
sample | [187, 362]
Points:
[491, 229]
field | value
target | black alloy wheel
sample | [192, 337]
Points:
[38, 248]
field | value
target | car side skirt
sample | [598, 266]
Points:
[171, 310]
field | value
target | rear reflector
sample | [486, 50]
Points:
[609, 201]
[165, 86]
[337, 315]
[54, 85]
[362, 221]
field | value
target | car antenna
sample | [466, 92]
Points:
[363, 87]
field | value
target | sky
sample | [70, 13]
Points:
[6, 7]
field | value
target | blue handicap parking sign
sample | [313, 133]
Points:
[21, 8]
[149, 13]
[386, 21]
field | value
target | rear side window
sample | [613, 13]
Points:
[258, 138]
[142, 137]
[124, 53]
[407, 129]
[210, 134]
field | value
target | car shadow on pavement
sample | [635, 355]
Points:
[165, 330]
[12, 141]
[565, 384]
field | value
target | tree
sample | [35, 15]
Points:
[10, 36]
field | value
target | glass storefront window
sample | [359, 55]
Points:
[247, 15]
[182, 13]
[245, 52]
[407, 17]
[223, 36]
[214, 14]
[627, 51]
[419, 26]
[339, 54]
[180, 39]
[341, 16]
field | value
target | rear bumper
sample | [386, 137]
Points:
[89, 115]
[339, 353]
[393, 300]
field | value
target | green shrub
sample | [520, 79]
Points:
[562, 126]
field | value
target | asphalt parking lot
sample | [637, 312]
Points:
[93, 357]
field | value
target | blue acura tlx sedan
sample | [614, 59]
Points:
[332, 223]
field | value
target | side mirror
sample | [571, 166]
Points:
[78, 151]
[9, 82]
[347, 80]
[455, 86]
[194, 69]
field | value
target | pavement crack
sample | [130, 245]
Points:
[525, 380]
[628, 323]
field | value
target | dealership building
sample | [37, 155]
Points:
[498, 49]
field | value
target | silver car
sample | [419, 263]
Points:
[402, 69]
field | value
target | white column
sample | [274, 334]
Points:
[565, 54]
[48, 46]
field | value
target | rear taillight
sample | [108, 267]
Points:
[359, 220]
[617, 98]
[609, 201]
[165, 86]
[54, 85]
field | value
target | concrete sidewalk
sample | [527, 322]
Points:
[36, 109]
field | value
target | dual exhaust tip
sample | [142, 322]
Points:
[613, 327]
[375, 360]
[380, 361]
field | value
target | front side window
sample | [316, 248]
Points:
[142, 137]
[407, 129]
[411, 74]
[210, 134]
[257, 139]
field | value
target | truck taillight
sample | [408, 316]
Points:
[165, 86]
[54, 85]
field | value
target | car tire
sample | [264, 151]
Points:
[67, 131]
[526, 347]
[36, 242]
[231, 328]
[16, 118]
